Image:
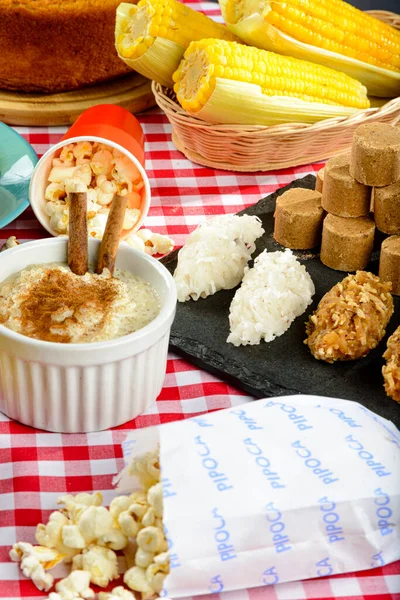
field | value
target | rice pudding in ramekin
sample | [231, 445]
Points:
[74, 387]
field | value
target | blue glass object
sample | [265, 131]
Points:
[17, 161]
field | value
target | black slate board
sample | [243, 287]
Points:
[284, 366]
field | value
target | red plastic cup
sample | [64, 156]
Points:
[108, 124]
[112, 123]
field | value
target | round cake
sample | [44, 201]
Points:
[57, 45]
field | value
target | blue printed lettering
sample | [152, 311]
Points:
[270, 576]
[383, 512]
[301, 422]
[248, 421]
[325, 567]
[210, 464]
[377, 560]
[377, 467]
[201, 422]
[173, 557]
[395, 439]
[314, 464]
[216, 585]
[167, 488]
[331, 520]
[221, 535]
[274, 516]
[264, 463]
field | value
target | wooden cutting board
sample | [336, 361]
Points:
[133, 92]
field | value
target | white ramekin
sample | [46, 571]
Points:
[75, 388]
[39, 181]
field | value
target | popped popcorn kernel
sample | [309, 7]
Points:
[135, 578]
[11, 242]
[155, 499]
[118, 593]
[94, 522]
[34, 560]
[156, 243]
[150, 539]
[99, 562]
[73, 587]
[51, 535]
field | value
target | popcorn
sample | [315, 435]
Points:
[101, 172]
[129, 553]
[66, 154]
[81, 500]
[82, 150]
[74, 186]
[147, 469]
[155, 499]
[84, 173]
[58, 213]
[131, 218]
[51, 535]
[114, 539]
[34, 560]
[12, 242]
[72, 537]
[143, 559]
[155, 575]
[101, 162]
[59, 174]
[135, 578]
[155, 243]
[119, 504]
[100, 562]
[150, 539]
[105, 190]
[55, 191]
[87, 534]
[118, 593]
[73, 587]
[94, 522]
[135, 242]
[97, 225]
[149, 518]
[129, 523]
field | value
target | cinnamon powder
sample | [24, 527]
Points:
[58, 294]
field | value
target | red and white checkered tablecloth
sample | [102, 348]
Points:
[36, 467]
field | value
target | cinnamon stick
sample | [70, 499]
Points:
[78, 235]
[112, 235]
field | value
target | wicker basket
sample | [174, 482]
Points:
[260, 148]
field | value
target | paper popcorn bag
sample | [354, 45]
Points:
[277, 490]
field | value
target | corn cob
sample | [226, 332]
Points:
[329, 32]
[152, 36]
[226, 82]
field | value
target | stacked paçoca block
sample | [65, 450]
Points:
[356, 194]
[361, 194]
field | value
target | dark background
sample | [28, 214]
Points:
[393, 5]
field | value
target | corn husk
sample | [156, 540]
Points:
[255, 31]
[245, 104]
[159, 61]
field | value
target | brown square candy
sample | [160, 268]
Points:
[387, 208]
[389, 264]
[298, 219]
[347, 243]
[375, 154]
[342, 195]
